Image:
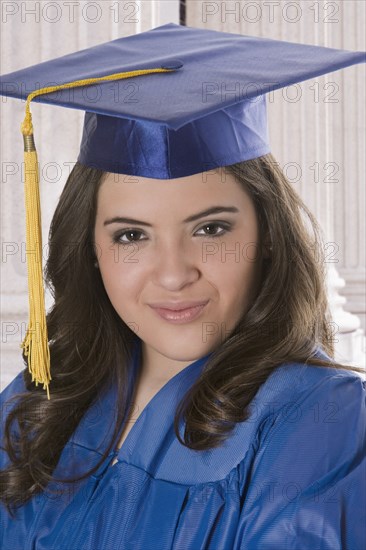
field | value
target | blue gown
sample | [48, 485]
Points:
[291, 477]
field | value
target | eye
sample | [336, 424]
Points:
[128, 232]
[225, 228]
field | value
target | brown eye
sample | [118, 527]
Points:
[129, 233]
[212, 229]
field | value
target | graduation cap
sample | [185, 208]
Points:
[196, 101]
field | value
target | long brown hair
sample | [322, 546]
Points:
[91, 346]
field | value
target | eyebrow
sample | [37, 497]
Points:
[208, 212]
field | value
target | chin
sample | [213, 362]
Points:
[178, 350]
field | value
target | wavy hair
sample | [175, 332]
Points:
[91, 347]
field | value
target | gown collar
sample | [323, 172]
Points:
[96, 427]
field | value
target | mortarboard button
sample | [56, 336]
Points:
[174, 64]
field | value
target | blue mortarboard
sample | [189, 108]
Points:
[195, 100]
[209, 111]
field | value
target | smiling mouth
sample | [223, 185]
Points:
[180, 316]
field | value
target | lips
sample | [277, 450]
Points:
[178, 306]
[180, 316]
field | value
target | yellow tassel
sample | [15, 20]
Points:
[35, 343]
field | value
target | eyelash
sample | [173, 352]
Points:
[226, 229]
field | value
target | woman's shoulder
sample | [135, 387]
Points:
[9, 397]
[309, 461]
[12, 390]
[306, 397]
[294, 379]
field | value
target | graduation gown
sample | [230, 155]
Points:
[291, 477]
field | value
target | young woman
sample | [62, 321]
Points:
[195, 402]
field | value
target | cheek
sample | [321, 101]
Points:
[119, 276]
[124, 274]
[232, 260]
[234, 272]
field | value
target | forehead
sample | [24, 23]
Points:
[172, 199]
[219, 181]
[175, 200]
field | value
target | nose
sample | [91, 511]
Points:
[175, 266]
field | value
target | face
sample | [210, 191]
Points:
[150, 251]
